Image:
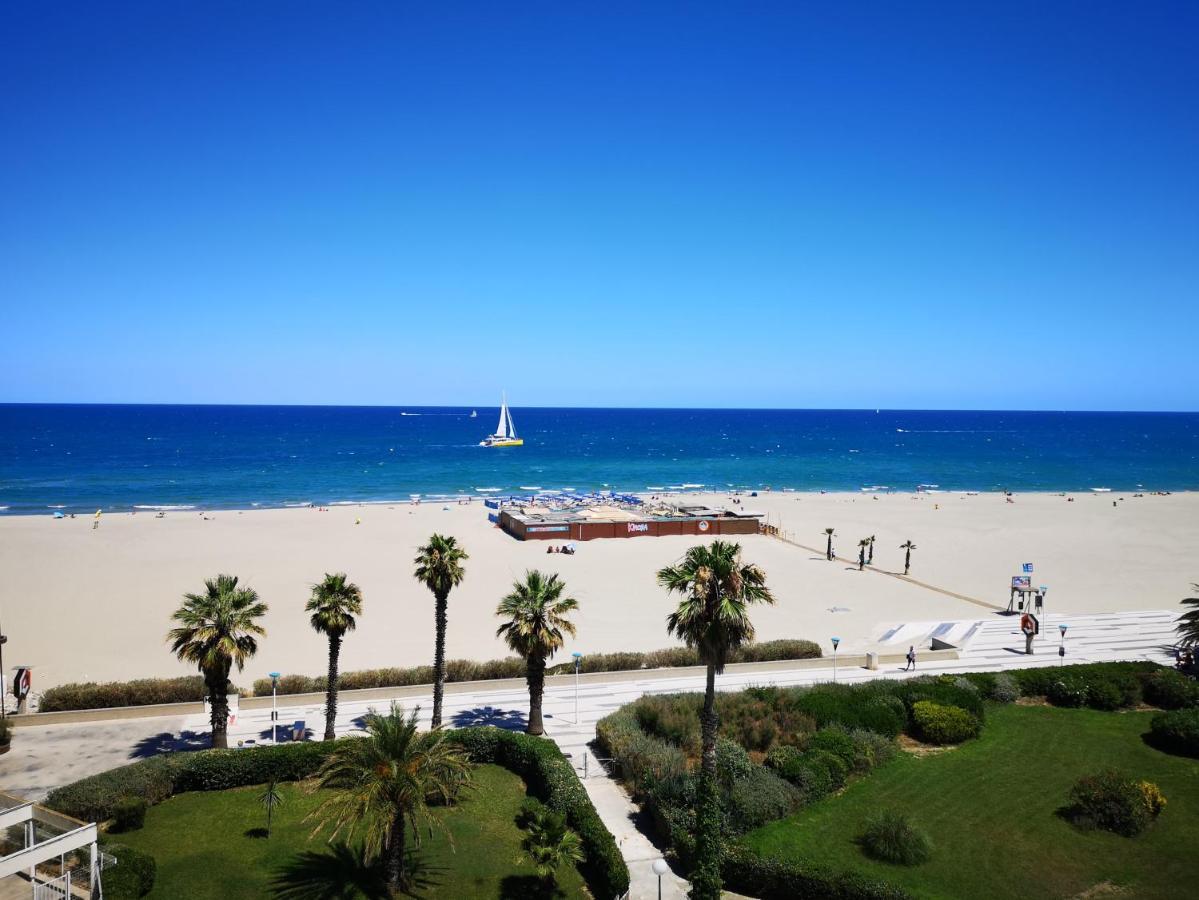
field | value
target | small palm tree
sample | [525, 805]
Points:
[218, 630]
[439, 568]
[870, 558]
[1188, 622]
[549, 846]
[862, 545]
[712, 617]
[270, 798]
[383, 784]
[334, 604]
[828, 553]
[536, 613]
[907, 558]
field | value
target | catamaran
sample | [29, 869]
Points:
[505, 432]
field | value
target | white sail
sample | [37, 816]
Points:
[501, 430]
[511, 425]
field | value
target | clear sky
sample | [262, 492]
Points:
[960, 205]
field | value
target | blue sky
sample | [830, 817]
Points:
[902, 205]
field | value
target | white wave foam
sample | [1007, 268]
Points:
[167, 507]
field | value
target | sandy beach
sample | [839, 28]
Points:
[94, 604]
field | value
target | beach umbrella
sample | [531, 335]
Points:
[97, 514]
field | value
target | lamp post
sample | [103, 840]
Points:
[1061, 648]
[836, 641]
[660, 868]
[3, 696]
[578, 662]
[274, 711]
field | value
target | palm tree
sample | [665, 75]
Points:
[384, 782]
[217, 630]
[439, 567]
[907, 559]
[1188, 622]
[270, 798]
[550, 845]
[713, 618]
[334, 604]
[828, 553]
[862, 545]
[870, 558]
[536, 613]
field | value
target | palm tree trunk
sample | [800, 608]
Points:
[861, 559]
[705, 879]
[535, 676]
[907, 562]
[828, 553]
[870, 558]
[331, 686]
[217, 682]
[395, 856]
[439, 617]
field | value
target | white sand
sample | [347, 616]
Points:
[80, 604]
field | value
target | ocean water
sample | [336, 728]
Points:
[80, 458]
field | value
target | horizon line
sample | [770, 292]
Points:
[863, 409]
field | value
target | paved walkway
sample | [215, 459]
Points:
[47, 756]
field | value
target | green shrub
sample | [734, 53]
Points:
[142, 692]
[129, 814]
[1112, 802]
[552, 779]
[831, 765]
[1169, 689]
[871, 750]
[782, 756]
[758, 797]
[732, 762]
[1069, 691]
[835, 740]
[891, 837]
[1004, 689]
[1176, 732]
[854, 706]
[939, 724]
[132, 876]
[772, 878]
[942, 690]
[1104, 695]
[643, 760]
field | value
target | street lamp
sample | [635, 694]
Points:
[836, 641]
[660, 868]
[274, 711]
[1061, 648]
[578, 662]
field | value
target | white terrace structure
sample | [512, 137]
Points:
[46, 855]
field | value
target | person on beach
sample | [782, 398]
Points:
[911, 659]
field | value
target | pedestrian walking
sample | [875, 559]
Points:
[911, 660]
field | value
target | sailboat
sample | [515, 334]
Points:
[505, 432]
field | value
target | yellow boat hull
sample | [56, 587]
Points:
[506, 442]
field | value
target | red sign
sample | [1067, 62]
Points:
[22, 683]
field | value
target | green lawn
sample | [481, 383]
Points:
[989, 809]
[207, 848]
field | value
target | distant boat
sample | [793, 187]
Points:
[1101, 490]
[474, 414]
[505, 432]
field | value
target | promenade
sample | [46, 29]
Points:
[46, 756]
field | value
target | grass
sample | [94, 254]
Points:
[989, 808]
[208, 847]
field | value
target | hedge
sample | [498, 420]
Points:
[132, 876]
[95, 799]
[1113, 685]
[939, 724]
[141, 692]
[514, 667]
[1169, 689]
[771, 878]
[552, 779]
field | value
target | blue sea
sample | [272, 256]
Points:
[80, 458]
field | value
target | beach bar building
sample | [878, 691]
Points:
[533, 523]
